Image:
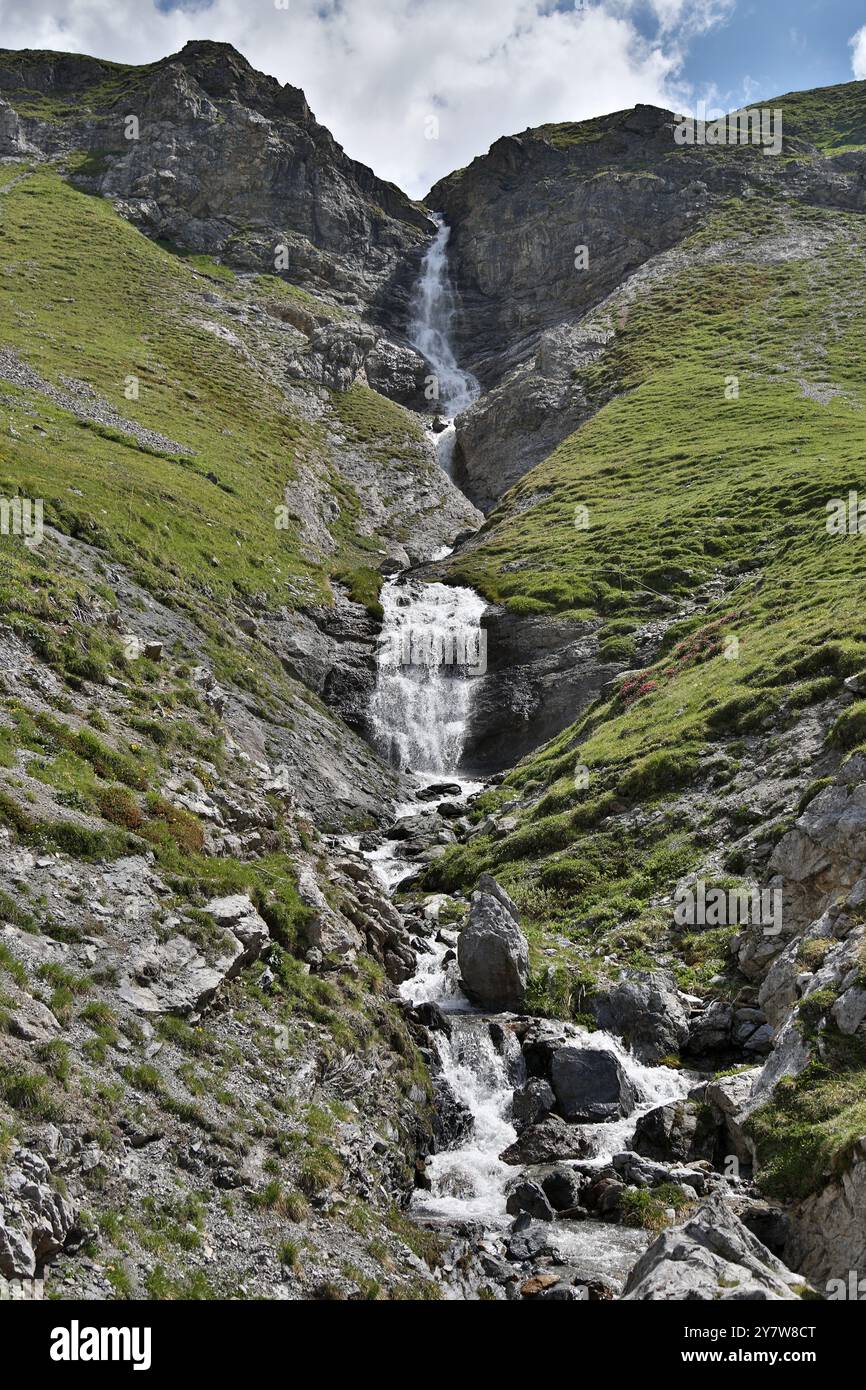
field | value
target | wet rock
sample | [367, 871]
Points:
[562, 1187]
[530, 1103]
[527, 1197]
[528, 1239]
[712, 1255]
[643, 1172]
[646, 1010]
[453, 1121]
[548, 1141]
[590, 1085]
[437, 790]
[493, 953]
[431, 1016]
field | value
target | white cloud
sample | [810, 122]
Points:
[374, 72]
[858, 52]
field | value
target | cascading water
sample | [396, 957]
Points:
[470, 1181]
[432, 313]
[431, 652]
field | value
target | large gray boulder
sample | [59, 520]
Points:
[590, 1085]
[646, 1010]
[547, 1142]
[492, 952]
[711, 1256]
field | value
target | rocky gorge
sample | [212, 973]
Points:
[357, 740]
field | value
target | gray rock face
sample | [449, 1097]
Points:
[493, 955]
[712, 1255]
[823, 854]
[645, 1010]
[541, 185]
[228, 161]
[590, 1085]
[174, 976]
[828, 1229]
[540, 673]
[35, 1220]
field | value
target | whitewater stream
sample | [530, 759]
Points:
[432, 310]
[432, 657]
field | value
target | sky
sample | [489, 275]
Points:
[417, 88]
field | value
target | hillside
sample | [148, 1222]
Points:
[212, 1065]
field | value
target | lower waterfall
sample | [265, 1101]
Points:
[432, 652]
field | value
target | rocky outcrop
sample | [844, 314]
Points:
[540, 673]
[827, 1236]
[712, 1256]
[619, 186]
[492, 951]
[36, 1220]
[226, 161]
[682, 1131]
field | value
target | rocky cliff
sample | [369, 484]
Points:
[551, 222]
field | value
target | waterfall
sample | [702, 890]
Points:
[432, 313]
[470, 1181]
[431, 650]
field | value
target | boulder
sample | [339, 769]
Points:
[547, 1142]
[638, 1171]
[562, 1187]
[531, 1103]
[646, 1010]
[527, 1197]
[682, 1131]
[528, 1239]
[590, 1085]
[492, 952]
[711, 1256]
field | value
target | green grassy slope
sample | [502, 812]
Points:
[682, 484]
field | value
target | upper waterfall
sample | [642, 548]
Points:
[432, 312]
